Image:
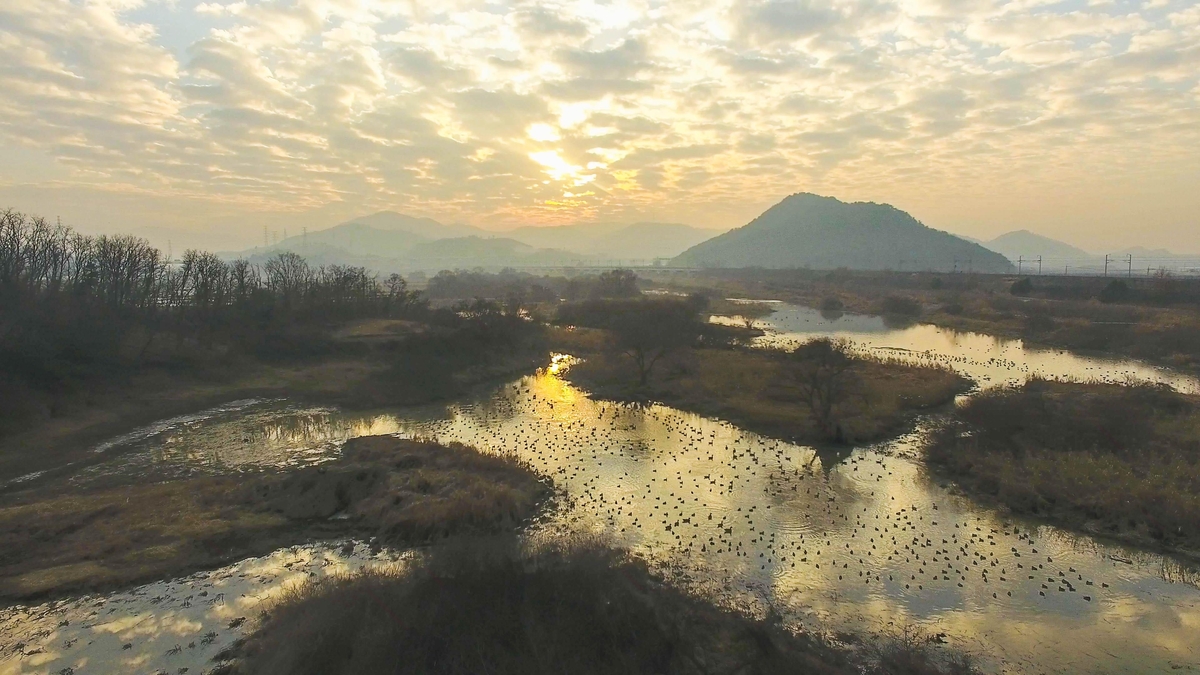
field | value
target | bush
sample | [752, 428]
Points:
[898, 305]
[1121, 456]
[832, 304]
[1116, 291]
[1021, 287]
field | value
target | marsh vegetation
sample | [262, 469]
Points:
[659, 350]
[80, 313]
[398, 492]
[592, 608]
[1116, 460]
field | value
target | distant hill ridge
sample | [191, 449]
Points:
[1023, 243]
[808, 230]
[391, 241]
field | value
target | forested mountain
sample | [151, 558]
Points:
[807, 230]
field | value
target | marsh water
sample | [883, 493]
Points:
[862, 541]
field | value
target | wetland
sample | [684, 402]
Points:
[860, 539]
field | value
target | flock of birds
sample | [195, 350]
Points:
[762, 512]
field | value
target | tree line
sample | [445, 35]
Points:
[71, 302]
[522, 289]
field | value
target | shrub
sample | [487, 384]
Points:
[1116, 291]
[1123, 456]
[832, 304]
[898, 305]
[1021, 287]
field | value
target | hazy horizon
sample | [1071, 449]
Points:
[203, 122]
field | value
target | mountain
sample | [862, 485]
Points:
[318, 254]
[807, 230]
[427, 228]
[401, 239]
[578, 237]
[1030, 245]
[359, 238]
[472, 252]
[639, 241]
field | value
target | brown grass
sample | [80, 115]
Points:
[1122, 461]
[752, 388]
[580, 609]
[401, 491]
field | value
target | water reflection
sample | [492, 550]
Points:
[265, 434]
[987, 359]
[866, 540]
[175, 626]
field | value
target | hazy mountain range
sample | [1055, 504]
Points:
[807, 230]
[803, 230]
[1023, 243]
[389, 241]
[1023, 248]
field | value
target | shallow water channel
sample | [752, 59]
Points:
[864, 541]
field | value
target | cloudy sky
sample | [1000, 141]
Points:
[208, 120]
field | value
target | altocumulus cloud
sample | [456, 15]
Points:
[536, 112]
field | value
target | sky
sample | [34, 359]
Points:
[206, 122]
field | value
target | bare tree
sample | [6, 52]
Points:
[647, 330]
[821, 369]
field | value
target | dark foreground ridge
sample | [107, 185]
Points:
[580, 609]
[401, 492]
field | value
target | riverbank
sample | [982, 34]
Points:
[370, 364]
[109, 410]
[1151, 320]
[758, 390]
[583, 609]
[1116, 461]
[399, 492]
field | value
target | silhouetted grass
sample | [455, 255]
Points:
[400, 491]
[580, 609]
[1118, 460]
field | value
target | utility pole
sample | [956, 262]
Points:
[1039, 265]
[1066, 270]
[1106, 256]
[1130, 256]
[1020, 262]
